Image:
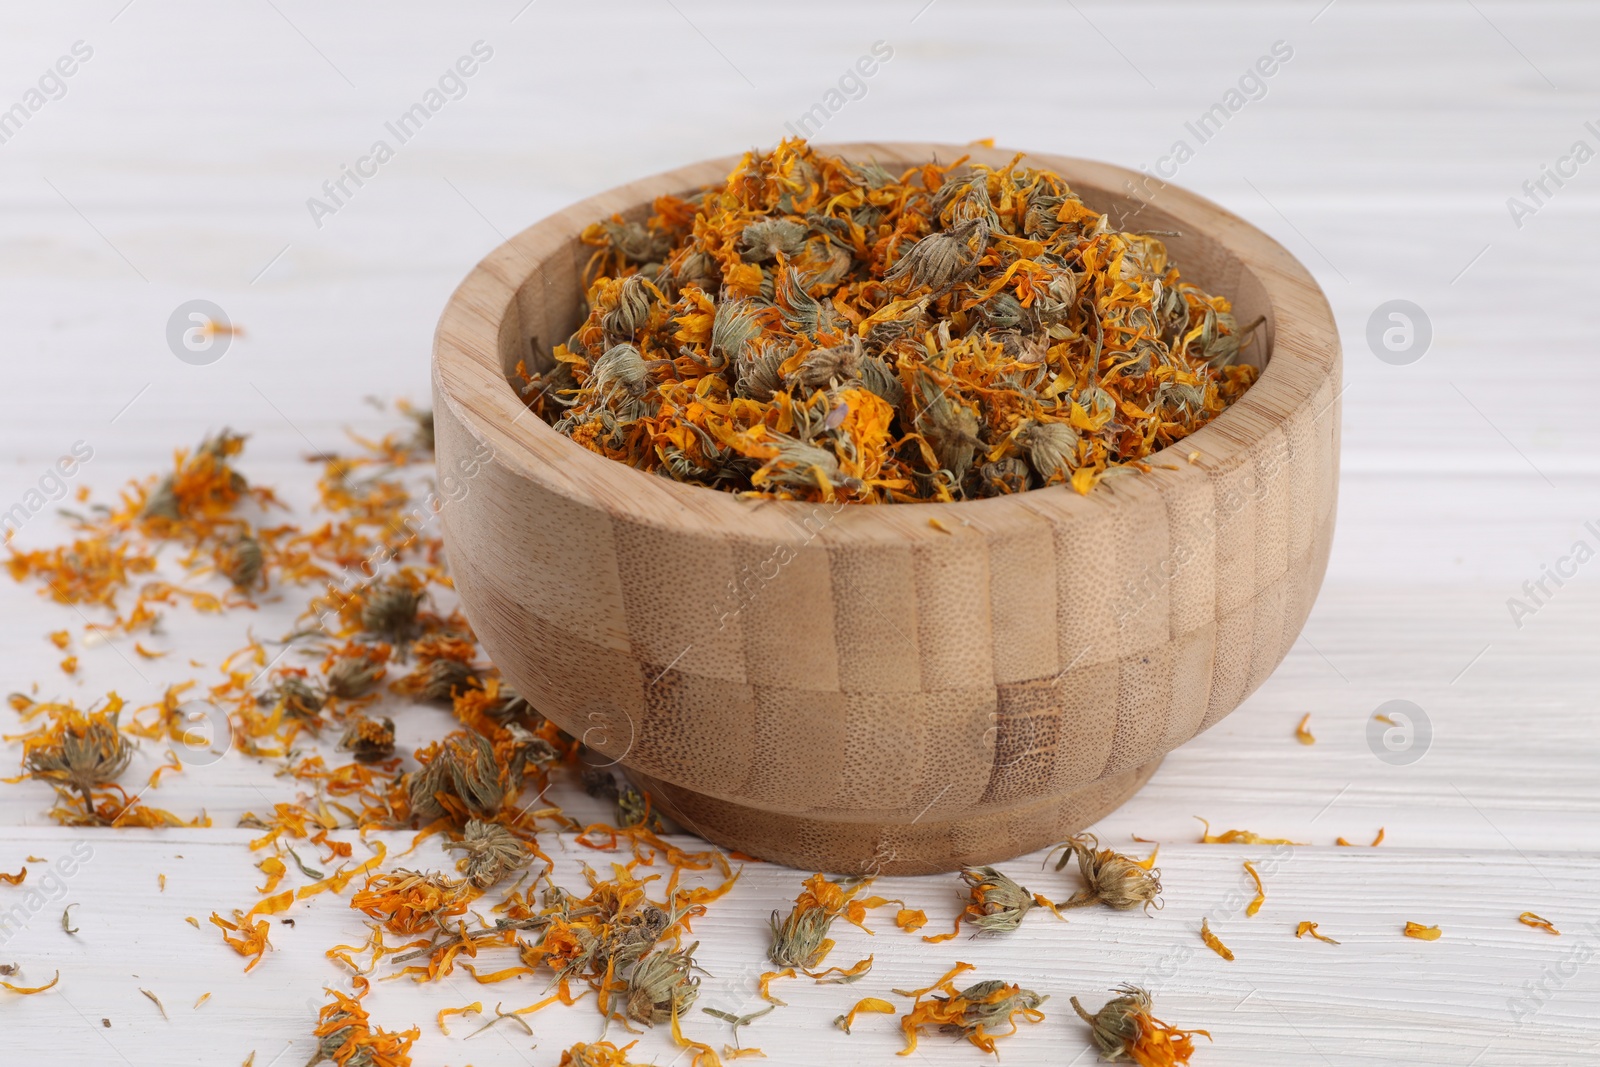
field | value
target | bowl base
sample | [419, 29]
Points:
[921, 846]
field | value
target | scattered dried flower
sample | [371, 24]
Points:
[369, 740]
[492, 853]
[975, 1013]
[1111, 878]
[1125, 1029]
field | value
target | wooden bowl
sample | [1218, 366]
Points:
[847, 687]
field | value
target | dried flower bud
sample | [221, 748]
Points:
[800, 311]
[369, 740]
[295, 696]
[989, 1005]
[89, 753]
[1003, 476]
[633, 241]
[632, 309]
[596, 1054]
[870, 175]
[511, 706]
[1040, 220]
[698, 269]
[462, 767]
[765, 239]
[977, 1013]
[492, 852]
[1111, 878]
[240, 561]
[880, 378]
[633, 809]
[1126, 1029]
[1051, 447]
[735, 324]
[1187, 398]
[800, 464]
[162, 503]
[630, 936]
[1002, 311]
[823, 366]
[798, 940]
[998, 903]
[354, 675]
[661, 986]
[390, 607]
[441, 679]
[942, 260]
[621, 367]
[758, 371]
[951, 429]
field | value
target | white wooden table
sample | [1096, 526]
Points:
[178, 164]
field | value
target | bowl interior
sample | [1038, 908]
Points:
[549, 302]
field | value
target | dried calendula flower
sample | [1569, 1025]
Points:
[442, 679]
[596, 1054]
[389, 607]
[633, 809]
[412, 902]
[240, 561]
[348, 1039]
[1309, 929]
[801, 940]
[202, 485]
[444, 669]
[251, 938]
[941, 260]
[1112, 879]
[1420, 932]
[492, 852]
[995, 903]
[1126, 1029]
[662, 986]
[85, 752]
[631, 310]
[1213, 942]
[369, 740]
[976, 1013]
[355, 670]
[294, 696]
[461, 776]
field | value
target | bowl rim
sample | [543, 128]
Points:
[468, 376]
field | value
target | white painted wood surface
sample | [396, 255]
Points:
[178, 164]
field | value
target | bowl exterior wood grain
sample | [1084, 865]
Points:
[850, 688]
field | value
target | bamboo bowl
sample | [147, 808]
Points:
[850, 688]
